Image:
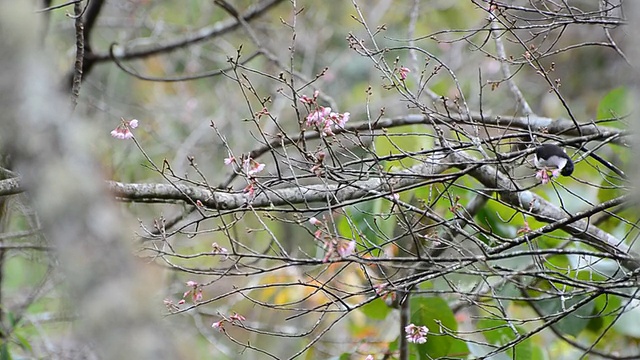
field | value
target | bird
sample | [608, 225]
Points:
[552, 157]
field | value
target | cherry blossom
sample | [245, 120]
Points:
[218, 325]
[252, 167]
[123, 131]
[348, 249]
[322, 117]
[219, 249]
[416, 334]
[543, 175]
[318, 116]
[195, 292]
[250, 188]
[229, 160]
[403, 73]
[237, 317]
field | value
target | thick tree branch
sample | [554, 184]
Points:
[543, 210]
[334, 193]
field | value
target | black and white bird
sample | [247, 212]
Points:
[552, 157]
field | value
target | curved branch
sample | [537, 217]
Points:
[217, 29]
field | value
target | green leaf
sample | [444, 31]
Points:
[24, 342]
[343, 356]
[574, 323]
[499, 332]
[605, 311]
[375, 229]
[613, 105]
[4, 352]
[376, 309]
[435, 314]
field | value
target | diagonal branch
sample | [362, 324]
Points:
[543, 210]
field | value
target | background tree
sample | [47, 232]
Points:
[318, 180]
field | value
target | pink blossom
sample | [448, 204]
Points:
[252, 167]
[237, 317]
[123, 131]
[380, 289]
[117, 134]
[369, 357]
[305, 99]
[196, 292]
[326, 131]
[262, 112]
[342, 120]
[346, 250]
[249, 189]
[318, 117]
[197, 295]
[255, 168]
[403, 73]
[218, 325]
[543, 175]
[416, 334]
[524, 229]
[218, 249]
[229, 160]
[314, 221]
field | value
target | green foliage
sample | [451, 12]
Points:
[434, 313]
[572, 324]
[499, 332]
[605, 311]
[614, 105]
[376, 309]
[4, 352]
[360, 221]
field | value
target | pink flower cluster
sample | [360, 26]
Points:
[322, 117]
[123, 131]
[250, 167]
[416, 334]
[232, 319]
[403, 73]
[333, 246]
[543, 175]
[195, 292]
